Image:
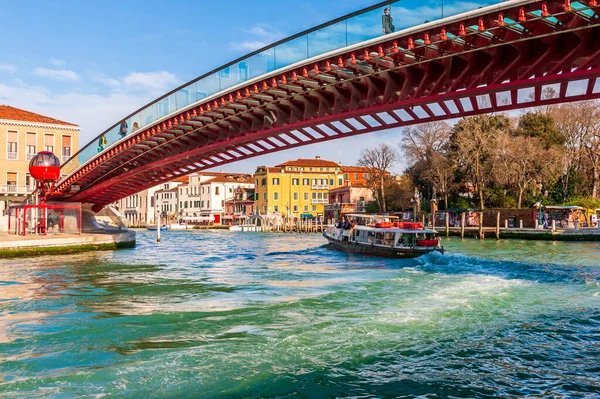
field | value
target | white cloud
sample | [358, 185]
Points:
[264, 30]
[57, 63]
[103, 79]
[8, 68]
[151, 81]
[57, 74]
[261, 35]
[249, 45]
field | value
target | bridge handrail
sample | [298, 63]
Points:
[220, 79]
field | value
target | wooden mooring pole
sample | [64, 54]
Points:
[481, 233]
[462, 226]
[498, 225]
[447, 223]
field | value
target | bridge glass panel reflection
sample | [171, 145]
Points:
[360, 27]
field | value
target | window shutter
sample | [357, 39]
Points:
[31, 139]
[66, 141]
[48, 140]
[12, 137]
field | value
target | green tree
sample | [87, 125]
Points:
[542, 126]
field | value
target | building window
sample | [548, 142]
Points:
[305, 196]
[331, 182]
[305, 208]
[306, 182]
[217, 190]
[31, 145]
[202, 204]
[66, 148]
[257, 183]
[314, 208]
[263, 181]
[208, 204]
[11, 147]
[276, 181]
[265, 196]
[49, 142]
[276, 208]
[356, 176]
[340, 182]
[295, 196]
[295, 182]
[295, 208]
[276, 196]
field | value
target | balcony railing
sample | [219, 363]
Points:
[11, 155]
[14, 189]
[320, 201]
[65, 158]
[358, 206]
[31, 155]
[320, 186]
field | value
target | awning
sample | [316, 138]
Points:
[307, 215]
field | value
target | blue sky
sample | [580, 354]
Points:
[93, 62]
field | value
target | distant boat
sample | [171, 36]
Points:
[245, 227]
[153, 227]
[378, 236]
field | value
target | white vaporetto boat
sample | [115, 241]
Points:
[379, 236]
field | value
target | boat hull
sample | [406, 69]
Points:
[376, 250]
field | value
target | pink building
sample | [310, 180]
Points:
[348, 199]
[238, 209]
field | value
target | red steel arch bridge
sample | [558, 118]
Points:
[331, 82]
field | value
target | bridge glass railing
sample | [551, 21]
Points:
[355, 28]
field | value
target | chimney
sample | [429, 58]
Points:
[318, 157]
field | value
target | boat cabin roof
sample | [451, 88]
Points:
[396, 230]
[360, 215]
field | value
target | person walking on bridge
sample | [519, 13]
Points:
[386, 22]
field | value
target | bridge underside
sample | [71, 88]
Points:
[491, 63]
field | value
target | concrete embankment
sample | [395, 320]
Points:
[17, 246]
[583, 234]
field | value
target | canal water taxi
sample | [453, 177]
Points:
[153, 227]
[382, 236]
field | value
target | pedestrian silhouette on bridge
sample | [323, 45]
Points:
[123, 129]
[101, 143]
[386, 22]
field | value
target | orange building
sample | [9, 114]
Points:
[24, 134]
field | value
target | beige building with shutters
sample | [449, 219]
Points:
[24, 134]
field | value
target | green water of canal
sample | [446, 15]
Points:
[214, 314]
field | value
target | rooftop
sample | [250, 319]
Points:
[16, 114]
[316, 162]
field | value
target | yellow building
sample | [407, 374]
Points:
[296, 188]
[24, 134]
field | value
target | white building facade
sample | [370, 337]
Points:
[203, 198]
